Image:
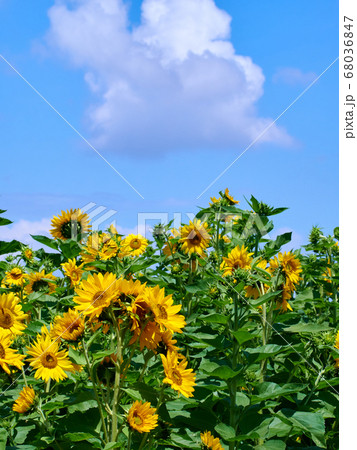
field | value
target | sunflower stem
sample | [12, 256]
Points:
[117, 378]
[91, 374]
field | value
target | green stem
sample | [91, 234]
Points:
[117, 378]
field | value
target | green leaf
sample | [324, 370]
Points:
[45, 241]
[271, 445]
[258, 353]
[79, 436]
[264, 298]
[243, 336]
[310, 422]
[3, 439]
[70, 248]
[242, 399]
[22, 433]
[76, 356]
[4, 221]
[10, 247]
[269, 390]
[215, 318]
[226, 432]
[308, 328]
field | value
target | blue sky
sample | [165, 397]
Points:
[170, 95]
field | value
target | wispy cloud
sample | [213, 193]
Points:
[293, 76]
[173, 82]
[22, 230]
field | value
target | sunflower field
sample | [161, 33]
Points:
[209, 336]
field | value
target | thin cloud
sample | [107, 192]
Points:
[173, 82]
[293, 76]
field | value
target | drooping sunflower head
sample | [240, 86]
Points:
[72, 224]
[72, 271]
[48, 360]
[181, 379]
[16, 276]
[11, 314]
[142, 417]
[239, 257]
[134, 245]
[69, 327]
[40, 282]
[209, 442]
[96, 293]
[229, 198]
[25, 400]
[195, 237]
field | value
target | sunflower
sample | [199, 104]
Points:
[11, 314]
[27, 254]
[129, 290]
[283, 303]
[147, 332]
[229, 198]
[209, 442]
[290, 265]
[142, 417]
[70, 224]
[73, 271]
[8, 356]
[48, 360]
[96, 293]
[165, 312]
[337, 345]
[134, 245]
[215, 200]
[238, 257]
[180, 378]
[195, 237]
[69, 327]
[170, 247]
[109, 250]
[39, 282]
[167, 343]
[24, 400]
[253, 291]
[15, 276]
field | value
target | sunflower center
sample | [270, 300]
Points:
[135, 244]
[6, 318]
[176, 376]
[40, 286]
[162, 312]
[71, 229]
[73, 327]
[49, 360]
[2, 352]
[99, 298]
[194, 238]
[16, 275]
[137, 419]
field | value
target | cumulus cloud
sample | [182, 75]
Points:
[22, 229]
[293, 76]
[173, 82]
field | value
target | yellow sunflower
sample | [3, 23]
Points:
[24, 400]
[28, 254]
[238, 257]
[210, 442]
[73, 271]
[48, 360]
[69, 327]
[337, 345]
[147, 332]
[165, 312]
[11, 314]
[283, 303]
[39, 282]
[9, 356]
[142, 417]
[291, 266]
[15, 276]
[134, 245]
[70, 224]
[96, 293]
[170, 248]
[109, 250]
[168, 343]
[195, 237]
[180, 378]
[214, 200]
[230, 199]
[129, 289]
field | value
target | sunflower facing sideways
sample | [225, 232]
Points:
[142, 417]
[11, 314]
[210, 442]
[24, 401]
[290, 265]
[16, 276]
[8, 356]
[41, 282]
[134, 245]
[239, 257]
[96, 293]
[181, 379]
[48, 360]
[69, 326]
[195, 237]
[70, 224]
[72, 271]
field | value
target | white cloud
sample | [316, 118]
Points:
[173, 82]
[22, 229]
[293, 76]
